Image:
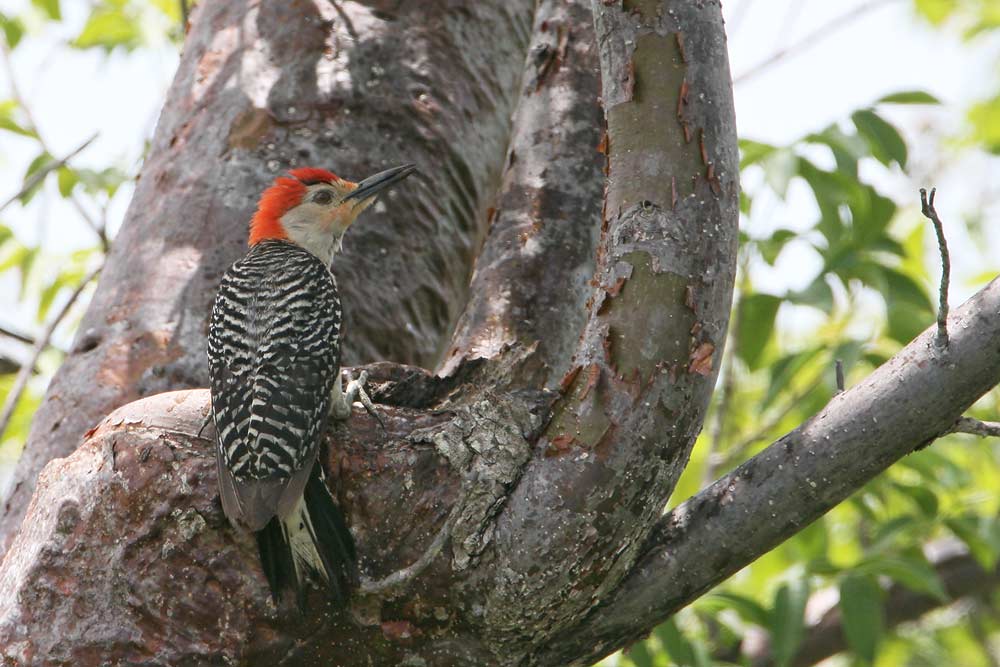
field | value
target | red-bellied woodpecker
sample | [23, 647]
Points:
[274, 361]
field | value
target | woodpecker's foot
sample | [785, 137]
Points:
[355, 390]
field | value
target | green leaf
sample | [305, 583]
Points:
[981, 535]
[678, 647]
[885, 141]
[906, 322]
[925, 499]
[50, 7]
[783, 370]
[20, 257]
[936, 11]
[40, 161]
[779, 168]
[67, 278]
[812, 542]
[67, 181]
[861, 608]
[787, 622]
[639, 655]
[106, 180]
[984, 117]
[757, 313]
[847, 148]
[903, 288]
[910, 570]
[772, 246]
[909, 97]
[8, 122]
[746, 201]
[818, 295]
[747, 608]
[13, 30]
[108, 27]
[752, 152]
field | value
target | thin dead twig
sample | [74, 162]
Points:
[976, 427]
[927, 208]
[20, 337]
[44, 171]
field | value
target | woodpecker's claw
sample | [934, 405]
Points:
[355, 390]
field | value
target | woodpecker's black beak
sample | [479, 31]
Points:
[373, 185]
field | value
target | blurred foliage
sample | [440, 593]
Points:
[45, 278]
[871, 292]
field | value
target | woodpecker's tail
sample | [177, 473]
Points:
[311, 544]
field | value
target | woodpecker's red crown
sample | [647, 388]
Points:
[315, 207]
[284, 195]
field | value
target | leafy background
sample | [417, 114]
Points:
[836, 263]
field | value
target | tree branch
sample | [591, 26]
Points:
[20, 337]
[976, 427]
[529, 285]
[649, 353]
[908, 402]
[43, 171]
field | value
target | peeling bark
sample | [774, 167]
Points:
[622, 432]
[531, 279]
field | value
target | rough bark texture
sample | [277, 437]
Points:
[542, 226]
[264, 86]
[643, 372]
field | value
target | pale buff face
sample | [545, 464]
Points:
[319, 222]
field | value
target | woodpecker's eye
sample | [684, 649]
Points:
[323, 197]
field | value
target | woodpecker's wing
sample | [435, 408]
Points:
[273, 359]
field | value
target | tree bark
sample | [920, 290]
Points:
[262, 87]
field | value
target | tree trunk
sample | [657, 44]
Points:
[262, 87]
[510, 512]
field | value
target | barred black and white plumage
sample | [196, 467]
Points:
[274, 357]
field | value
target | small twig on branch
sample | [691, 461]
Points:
[927, 208]
[976, 427]
[44, 171]
[813, 38]
[41, 344]
[839, 364]
[20, 337]
[184, 15]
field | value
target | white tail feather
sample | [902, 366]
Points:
[301, 537]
